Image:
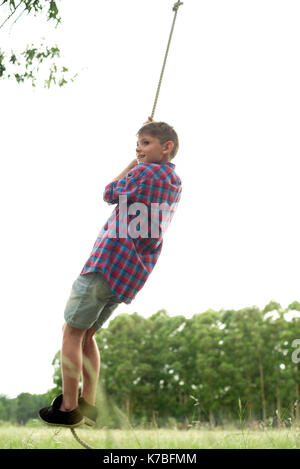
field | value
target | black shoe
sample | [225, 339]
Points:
[53, 416]
[89, 412]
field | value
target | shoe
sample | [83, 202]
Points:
[53, 416]
[89, 412]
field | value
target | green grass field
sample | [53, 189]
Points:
[40, 437]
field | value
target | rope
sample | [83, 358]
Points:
[175, 9]
[83, 443]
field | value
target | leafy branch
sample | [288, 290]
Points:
[33, 6]
[26, 65]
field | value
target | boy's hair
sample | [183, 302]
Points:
[164, 132]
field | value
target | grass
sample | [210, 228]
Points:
[43, 437]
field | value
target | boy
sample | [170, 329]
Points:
[122, 258]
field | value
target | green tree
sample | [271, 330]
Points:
[25, 65]
[4, 408]
[274, 327]
[243, 367]
[292, 333]
[213, 367]
[57, 376]
[140, 368]
[28, 406]
[203, 339]
[161, 373]
[119, 358]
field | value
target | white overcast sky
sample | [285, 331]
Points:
[231, 90]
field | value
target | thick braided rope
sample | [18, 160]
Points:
[175, 9]
[83, 443]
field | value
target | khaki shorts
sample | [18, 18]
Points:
[91, 302]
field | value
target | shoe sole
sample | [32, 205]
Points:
[75, 425]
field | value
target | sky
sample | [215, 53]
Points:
[231, 91]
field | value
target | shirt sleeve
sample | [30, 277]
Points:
[129, 185]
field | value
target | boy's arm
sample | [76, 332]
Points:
[126, 170]
[124, 184]
[133, 162]
[108, 193]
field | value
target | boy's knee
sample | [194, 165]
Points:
[73, 331]
[89, 333]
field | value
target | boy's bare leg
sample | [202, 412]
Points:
[71, 365]
[91, 367]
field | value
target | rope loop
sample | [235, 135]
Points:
[80, 441]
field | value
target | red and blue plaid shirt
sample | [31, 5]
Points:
[127, 248]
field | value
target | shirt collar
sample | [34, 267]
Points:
[172, 165]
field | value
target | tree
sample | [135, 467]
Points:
[118, 345]
[199, 369]
[26, 64]
[139, 365]
[273, 330]
[4, 408]
[203, 335]
[28, 406]
[292, 332]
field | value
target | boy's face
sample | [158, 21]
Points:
[150, 150]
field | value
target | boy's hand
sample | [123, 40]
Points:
[132, 164]
[148, 121]
[126, 170]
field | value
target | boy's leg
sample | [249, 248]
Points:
[71, 365]
[91, 367]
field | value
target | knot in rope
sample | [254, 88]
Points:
[177, 5]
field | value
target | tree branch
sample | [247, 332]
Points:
[11, 13]
[24, 66]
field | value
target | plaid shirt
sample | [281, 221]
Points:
[125, 254]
